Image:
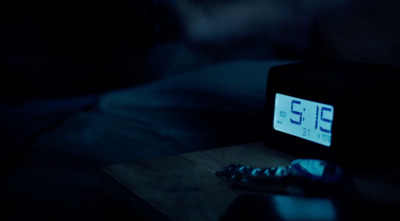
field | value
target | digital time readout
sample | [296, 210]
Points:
[303, 118]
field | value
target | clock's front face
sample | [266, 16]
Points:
[338, 112]
[309, 120]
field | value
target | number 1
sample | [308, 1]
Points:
[316, 118]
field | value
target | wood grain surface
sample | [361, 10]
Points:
[185, 187]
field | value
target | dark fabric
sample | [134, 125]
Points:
[19, 124]
[59, 176]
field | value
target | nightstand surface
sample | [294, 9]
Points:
[184, 187]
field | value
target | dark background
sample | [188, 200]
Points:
[53, 49]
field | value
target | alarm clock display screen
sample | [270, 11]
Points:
[306, 119]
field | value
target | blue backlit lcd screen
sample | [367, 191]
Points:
[302, 118]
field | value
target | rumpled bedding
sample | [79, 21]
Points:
[58, 175]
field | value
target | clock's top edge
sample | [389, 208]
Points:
[338, 72]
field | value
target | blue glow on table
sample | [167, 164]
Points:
[304, 208]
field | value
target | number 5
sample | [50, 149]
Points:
[295, 113]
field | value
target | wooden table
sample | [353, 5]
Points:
[185, 187]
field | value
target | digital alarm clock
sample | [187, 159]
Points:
[348, 113]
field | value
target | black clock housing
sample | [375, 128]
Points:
[366, 122]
